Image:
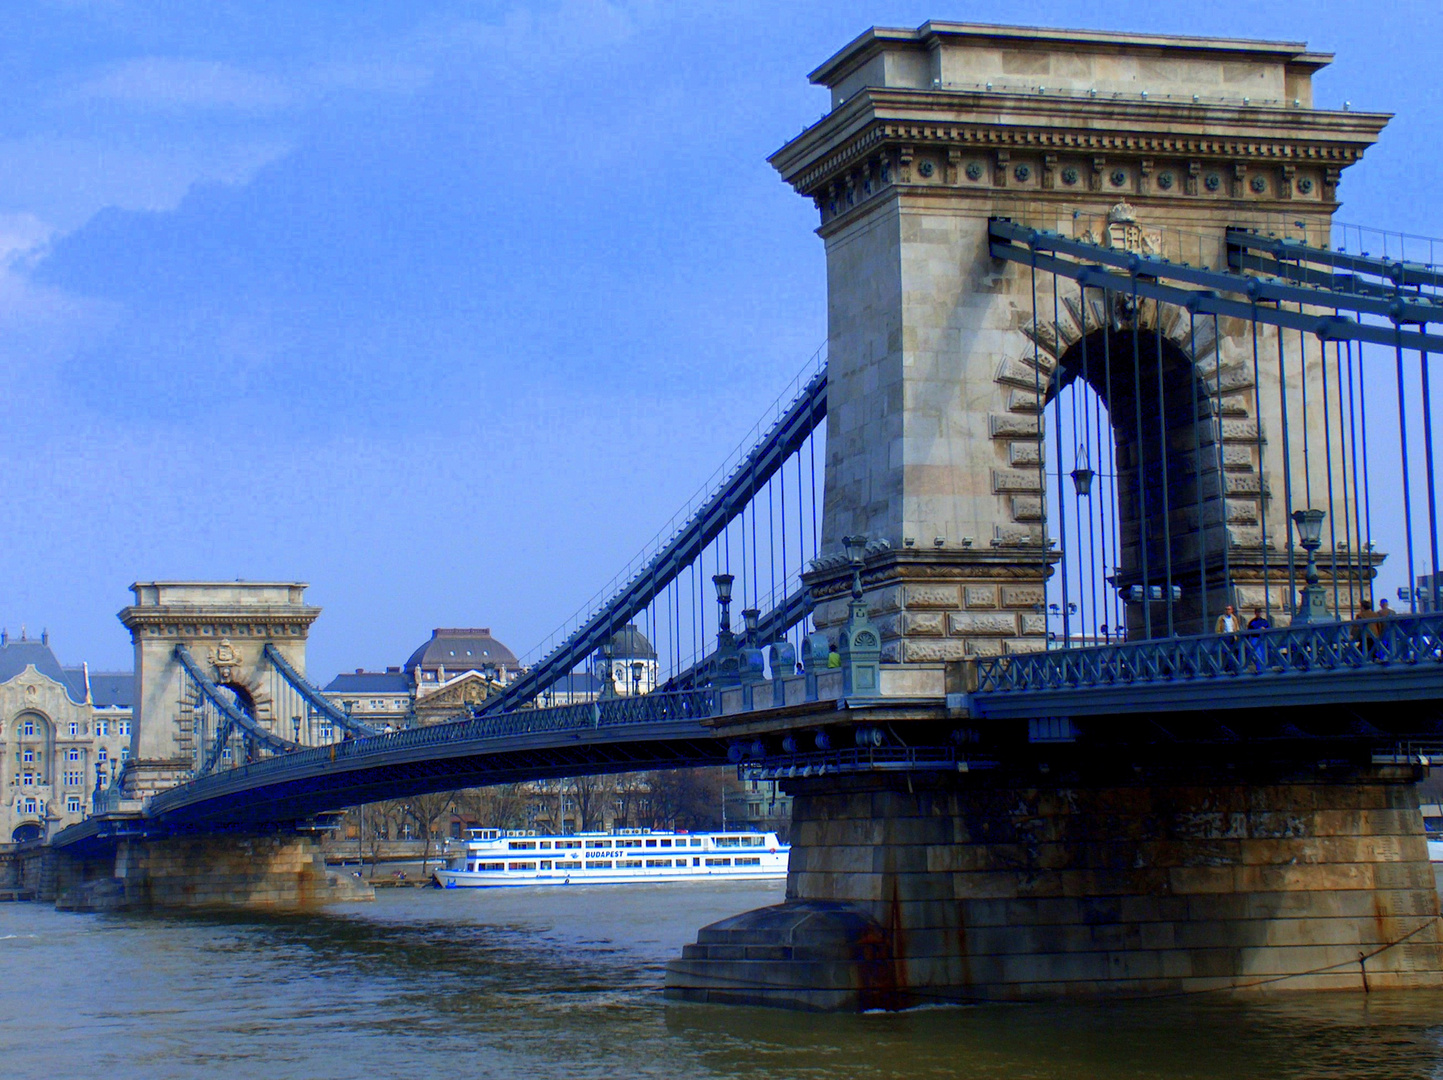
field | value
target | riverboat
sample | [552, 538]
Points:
[492, 858]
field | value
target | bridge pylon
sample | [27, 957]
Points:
[943, 363]
[943, 853]
[225, 627]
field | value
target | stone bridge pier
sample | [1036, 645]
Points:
[1062, 869]
[123, 861]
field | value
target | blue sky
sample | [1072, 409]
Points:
[446, 307]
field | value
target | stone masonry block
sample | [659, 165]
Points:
[923, 623]
[1026, 508]
[927, 651]
[1023, 596]
[981, 596]
[1009, 480]
[1001, 624]
[931, 596]
[1014, 426]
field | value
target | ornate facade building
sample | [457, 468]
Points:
[65, 732]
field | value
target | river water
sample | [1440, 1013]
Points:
[540, 983]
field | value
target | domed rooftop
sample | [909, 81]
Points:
[629, 643]
[459, 649]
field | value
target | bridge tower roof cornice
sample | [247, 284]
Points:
[239, 608]
[985, 100]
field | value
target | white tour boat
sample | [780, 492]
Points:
[489, 858]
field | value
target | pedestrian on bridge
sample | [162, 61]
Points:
[1256, 625]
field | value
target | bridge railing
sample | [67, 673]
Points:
[1360, 644]
[630, 711]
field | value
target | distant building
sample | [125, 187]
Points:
[65, 732]
[455, 669]
[628, 660]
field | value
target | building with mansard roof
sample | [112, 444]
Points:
[64, 733]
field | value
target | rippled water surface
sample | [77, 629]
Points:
[567, 983]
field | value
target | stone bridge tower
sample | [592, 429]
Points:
[939, 361]
[226, 625]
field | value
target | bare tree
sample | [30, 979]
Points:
[426, 811]
[591, 794]
[689, 798]
[629, 798]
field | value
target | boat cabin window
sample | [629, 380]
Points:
[749, 860]
[728, 841]
[598, 843]
[491, 866]
[718, 862]
[666, 843]
[695, 841]
[651, 843]
[567, 844]
[658, 862]
[546, 864]
[522, 845]
[521, 866]
[600, 864]
[562, 864]
[546, 845]
[628, 862]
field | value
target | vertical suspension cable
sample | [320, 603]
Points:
[1138, 441]
[1162, 432]
[1403, 449]
[1092, 454]
[1262, 471]
[1328, 463]
[1303, 405]
[782, 489]
[1217, 428]
[1118, 618]
[1348, 465]
[1041, 415]
[1432, 503]
[1202, 545]
[801, 550]
[1061, 495]
[812, 454]
[1367, 477]
[1292, 604]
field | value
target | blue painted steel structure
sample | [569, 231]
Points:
[1358, 662]
[1338, 665]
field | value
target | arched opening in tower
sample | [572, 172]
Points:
[1133, 498]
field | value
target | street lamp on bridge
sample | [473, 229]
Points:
[1313, 607]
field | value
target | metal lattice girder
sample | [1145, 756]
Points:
[313, 696]
[1290, 255]
[235, 717]
[1395, 658]
[782, 439]
[613, 735]
[1097, 267]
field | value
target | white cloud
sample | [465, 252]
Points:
[158, 82]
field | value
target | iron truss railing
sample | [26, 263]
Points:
[1361, 647]
[235, 717]
[313, 697]
[1200, 289]
[790, 431]
[620, 712]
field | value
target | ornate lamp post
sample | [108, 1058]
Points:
[1312, 606]
[636, 669]
[859, 643]
[608, 673]
[1083, 474]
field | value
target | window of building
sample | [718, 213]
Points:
[74, 729]
[28, 780]
[100, 754]
[125, 753]
[73, 754]
[225, 755]
[102, 727]
[122, 727]
[72, 804]
[29, 727]
[72, 779]
[29, 755]
[30, 806]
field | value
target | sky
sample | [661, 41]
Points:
[446, 307]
